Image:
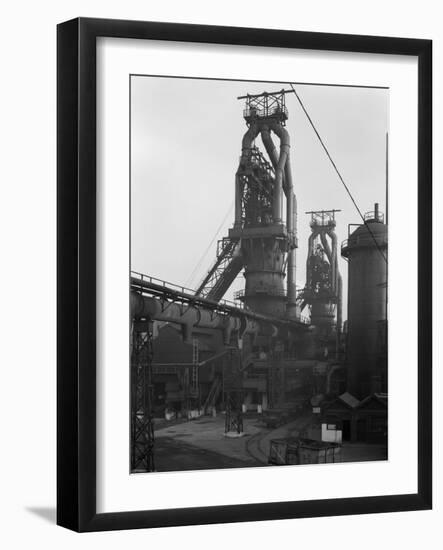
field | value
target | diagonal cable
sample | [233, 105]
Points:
[337, 171]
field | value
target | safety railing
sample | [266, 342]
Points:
[277, 111]
[364, 239]
[160, 282]
[373, 215]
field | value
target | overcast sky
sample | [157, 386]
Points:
[185, 146]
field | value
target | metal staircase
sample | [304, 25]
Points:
[225, 269]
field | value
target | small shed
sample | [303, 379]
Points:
[365, 420]
[372, 418]
[341, 412]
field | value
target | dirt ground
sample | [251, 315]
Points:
[201, 444]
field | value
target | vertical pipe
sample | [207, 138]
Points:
[291, 213]
[290, 220]
[294, 212]
[310, 251]
[334, 263]
[248, 138]
[284, 153]
[339, 314]
[277, 198]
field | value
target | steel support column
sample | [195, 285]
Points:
[142, 423]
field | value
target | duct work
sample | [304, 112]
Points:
[194, 317]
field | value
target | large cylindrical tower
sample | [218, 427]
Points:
[366, 252]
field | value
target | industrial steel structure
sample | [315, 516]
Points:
[267, 243]
[323, 291]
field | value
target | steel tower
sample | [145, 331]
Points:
[323, 289]
[267, 242]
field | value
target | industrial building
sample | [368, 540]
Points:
[276, 347]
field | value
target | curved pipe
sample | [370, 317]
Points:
[249, 137]
[247, 140]
[238, 196]
[269, 146]
[283, 157]
[291, 204]
[289, 197]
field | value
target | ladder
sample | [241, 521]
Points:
[225, 269]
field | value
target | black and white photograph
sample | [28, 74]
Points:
[258, 273]
[220, 290]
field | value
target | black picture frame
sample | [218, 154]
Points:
[76, 293]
